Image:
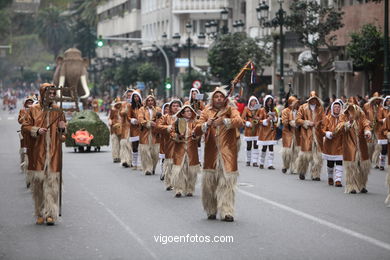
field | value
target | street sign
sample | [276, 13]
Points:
[343, 66]
[182, 62]
[196, 84]
[140, 85]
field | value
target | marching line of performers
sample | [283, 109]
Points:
[347, 136]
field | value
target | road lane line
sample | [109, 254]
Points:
[347, 231]
[117, 219]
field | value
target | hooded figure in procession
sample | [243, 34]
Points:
[219, 123]
[185, 166]
[251, 130]
[268, 118]
[149, 145]
[310, 118]
[47, 129]
[290, 135]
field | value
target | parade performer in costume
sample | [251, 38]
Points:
[355, 130]
[115, 123]
[310, 117]
[290, 135]
[125, 113]
[163, 137]
[219, 123]
[185, 158]
[149, 147]
[333, 145]
[268, 118]
[164, 127]
[197, 106]
[136, 104]
[372, 110]
[382, 139]
[25, 139]
[47, 129]
[251, 129]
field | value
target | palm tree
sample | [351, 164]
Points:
[53, 29]
[86, 10]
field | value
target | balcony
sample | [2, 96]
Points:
[198, 6]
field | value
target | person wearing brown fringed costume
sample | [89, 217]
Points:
[164, 127]
[372, 110]
[125, 144]
[382, 139]
[114, 121]
[47, 129]
[386, 132]
[135, 128]
[268, 118]
[333, 145]
[310, 117]
[251, 130]
[355, 130]
[290, 135]
[25, 141]
[149, 146]
[219, 122]
[185, 167]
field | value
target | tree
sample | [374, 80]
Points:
[53, 30]
[150, 74]
[232, 51]
[366, 50]
[315, 24]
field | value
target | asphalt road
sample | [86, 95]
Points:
[111, 212]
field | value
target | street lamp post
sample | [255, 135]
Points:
[189, 30]
[386, 74]
[262, 15]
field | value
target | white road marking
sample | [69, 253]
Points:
[117, 219]
[328, 224]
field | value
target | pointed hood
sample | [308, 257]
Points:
[314, 95]
[292, 101]
[338, 101]
[250, 100]
[384, 102]
[221, 90]
[152, 97]
[42, 90]
[163, 108]
[193, 90]
[266, 98]
[179, 113]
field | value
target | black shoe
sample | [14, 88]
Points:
[228, 218]
[382, 168]
[271, 168]
[284, 170]
[148, 173]
[255, 165]
[212, 216]
[364, 190]
[316, 179]
[189, 194]
[353, 192]
[117, 160]
[248, 163]
[153, 172]
[169, 188]
[261, 166]
[301, 176]
[28, 185]
[125, 165]
[376, 167]
[178, 195]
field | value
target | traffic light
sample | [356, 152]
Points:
[48, 67]
[100, 42]
[168, 84]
